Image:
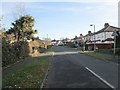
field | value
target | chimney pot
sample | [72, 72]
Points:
[106, 25]
[89, 32]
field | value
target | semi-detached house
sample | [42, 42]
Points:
[103, 38]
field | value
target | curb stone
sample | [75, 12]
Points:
[45, 78]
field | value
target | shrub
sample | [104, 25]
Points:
[118, 51]
[22, 49]
[49, 46]
[13, 52]
[8, 55]
[42, 49]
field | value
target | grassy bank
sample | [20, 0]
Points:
[29, 76]
[50, 50]
[101, 56]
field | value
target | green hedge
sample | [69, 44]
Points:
[8, 55]
[13, 52]
[49, 46]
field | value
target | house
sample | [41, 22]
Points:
[59, 43]
[53, 42]
[36, 45]
[33, 45]
[103, 38]
[66, 40]
[78, 41]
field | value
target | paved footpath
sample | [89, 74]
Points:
[69, 69]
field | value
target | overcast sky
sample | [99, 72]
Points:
[61, 19]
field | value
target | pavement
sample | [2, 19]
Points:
[69, 69]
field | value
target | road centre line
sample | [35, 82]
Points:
[111, 86]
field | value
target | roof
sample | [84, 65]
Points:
[88, 35]
[108, 29]
[105, 29]
[54, 40]
[112, 29]
[102, 30]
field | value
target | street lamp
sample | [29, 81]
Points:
[114, 34]
[94, 37]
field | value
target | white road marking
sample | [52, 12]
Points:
[100, 78]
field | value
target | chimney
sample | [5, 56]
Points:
[81, 35]
[106, 25]
[89, 32]
[75, 37]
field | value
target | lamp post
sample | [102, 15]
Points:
[94, 37]
[114, 34]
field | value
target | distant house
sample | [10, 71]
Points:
[87, 37]
[78, 40]
[35, 44]
[59, 43]
[102, 38]
[66, 40]
[53, 42]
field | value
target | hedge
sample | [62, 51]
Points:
[13, 52]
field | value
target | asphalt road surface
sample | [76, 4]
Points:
[69, 69]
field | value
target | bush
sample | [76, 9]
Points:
[13, 52]
[42, 50]
[49, 46]
[8, 55]
[118, 51]
[22, 49]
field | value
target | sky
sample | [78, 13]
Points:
[62, 18]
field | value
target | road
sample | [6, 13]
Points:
[69, 69]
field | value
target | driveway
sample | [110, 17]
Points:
[69, 69]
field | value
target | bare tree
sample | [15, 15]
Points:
[47, 40]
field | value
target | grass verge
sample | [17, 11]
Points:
[30, 75]
[50, 50]
[101, 56]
